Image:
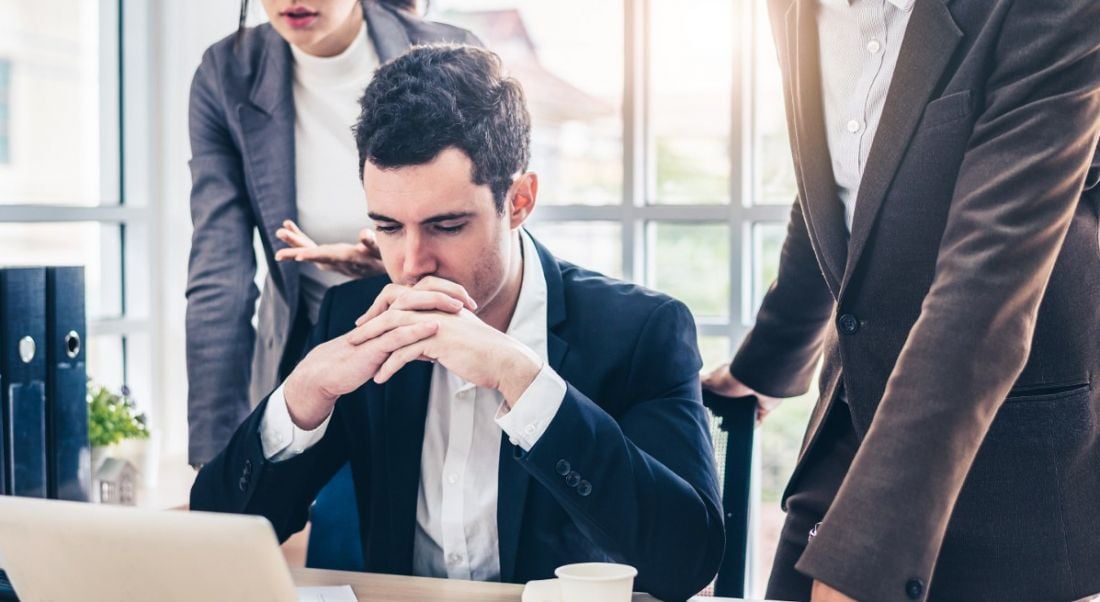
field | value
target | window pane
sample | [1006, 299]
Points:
[691, 54]
[691, 262]
[715, 351]
[5, 103]
[58, 115]
[767, 240]
[589, 244]
[105, 359]
[774, 176]
[95, 246]
[568, 54]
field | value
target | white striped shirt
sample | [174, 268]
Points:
[859, 45]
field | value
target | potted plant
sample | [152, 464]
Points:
[115, 427]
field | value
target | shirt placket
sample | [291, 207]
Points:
[872, 31]
[456, 554]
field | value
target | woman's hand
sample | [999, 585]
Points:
[360, 260]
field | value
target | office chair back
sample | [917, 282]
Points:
[733, 450]
[334, 541]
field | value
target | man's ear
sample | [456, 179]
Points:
[521, 198]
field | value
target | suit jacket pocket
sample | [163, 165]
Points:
[947, 109]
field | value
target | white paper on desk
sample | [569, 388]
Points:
[328, 593]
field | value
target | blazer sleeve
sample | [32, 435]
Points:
[1018, 187]
[779, 355]
[241, 480]
[643, 487]
[221, 294]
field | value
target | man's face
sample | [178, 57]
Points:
[432, 220]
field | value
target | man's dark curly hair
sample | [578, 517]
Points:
[440, 96]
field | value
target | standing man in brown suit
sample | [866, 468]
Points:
[944, 256]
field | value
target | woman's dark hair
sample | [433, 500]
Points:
[405, 5]
[443, 96]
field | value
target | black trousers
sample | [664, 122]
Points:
[811, 495]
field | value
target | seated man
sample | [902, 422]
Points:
[503, 412]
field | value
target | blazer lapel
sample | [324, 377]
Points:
[405, 408]
[817, 188]
[930, 40]
[267, 126]
[513, 480]
[390, 38]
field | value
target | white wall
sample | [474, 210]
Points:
[181, 32]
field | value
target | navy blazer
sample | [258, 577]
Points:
[242, 170]
[632, 425]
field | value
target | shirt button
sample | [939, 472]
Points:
[874, 46]
[453, 558]
[853, 126]
[530, 429]
[563, 467]
[452, 478]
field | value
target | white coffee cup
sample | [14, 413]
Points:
[596, 582]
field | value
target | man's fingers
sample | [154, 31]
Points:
[384, 323]
[427, 301]
[373, 328]
[381, 302]
[398, 359]
[454, 289]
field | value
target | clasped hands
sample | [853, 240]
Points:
[432, 320]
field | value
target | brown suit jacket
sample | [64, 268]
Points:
[962, 316]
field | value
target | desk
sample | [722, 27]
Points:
[373, 587]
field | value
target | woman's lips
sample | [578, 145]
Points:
[299, 19]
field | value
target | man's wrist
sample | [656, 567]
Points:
[303, 403]
[519, 370]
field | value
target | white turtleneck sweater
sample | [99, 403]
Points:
[331, 205]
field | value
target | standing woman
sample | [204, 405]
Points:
[270, 120]
[271, 112]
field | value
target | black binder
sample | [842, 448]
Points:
[68, 459]
[22, 379]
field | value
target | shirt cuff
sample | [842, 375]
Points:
[531, 415]
[280, 437]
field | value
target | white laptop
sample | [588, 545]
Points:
[60, 551]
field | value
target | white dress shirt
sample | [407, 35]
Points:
[456, 511]
[331, 208]
[859, 41]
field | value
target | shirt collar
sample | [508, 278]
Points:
[904, 5]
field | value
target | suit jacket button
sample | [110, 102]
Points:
[573, 479]
[247, 467]
[243, 484]
[848, 324]
[914, 588]
[584, 488]
[563, 467]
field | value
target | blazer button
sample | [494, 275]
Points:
[563, 467]
[573, 479]
[848, 324]
[584, 488]
[914, 588]
[243, 484]
[247, 467]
